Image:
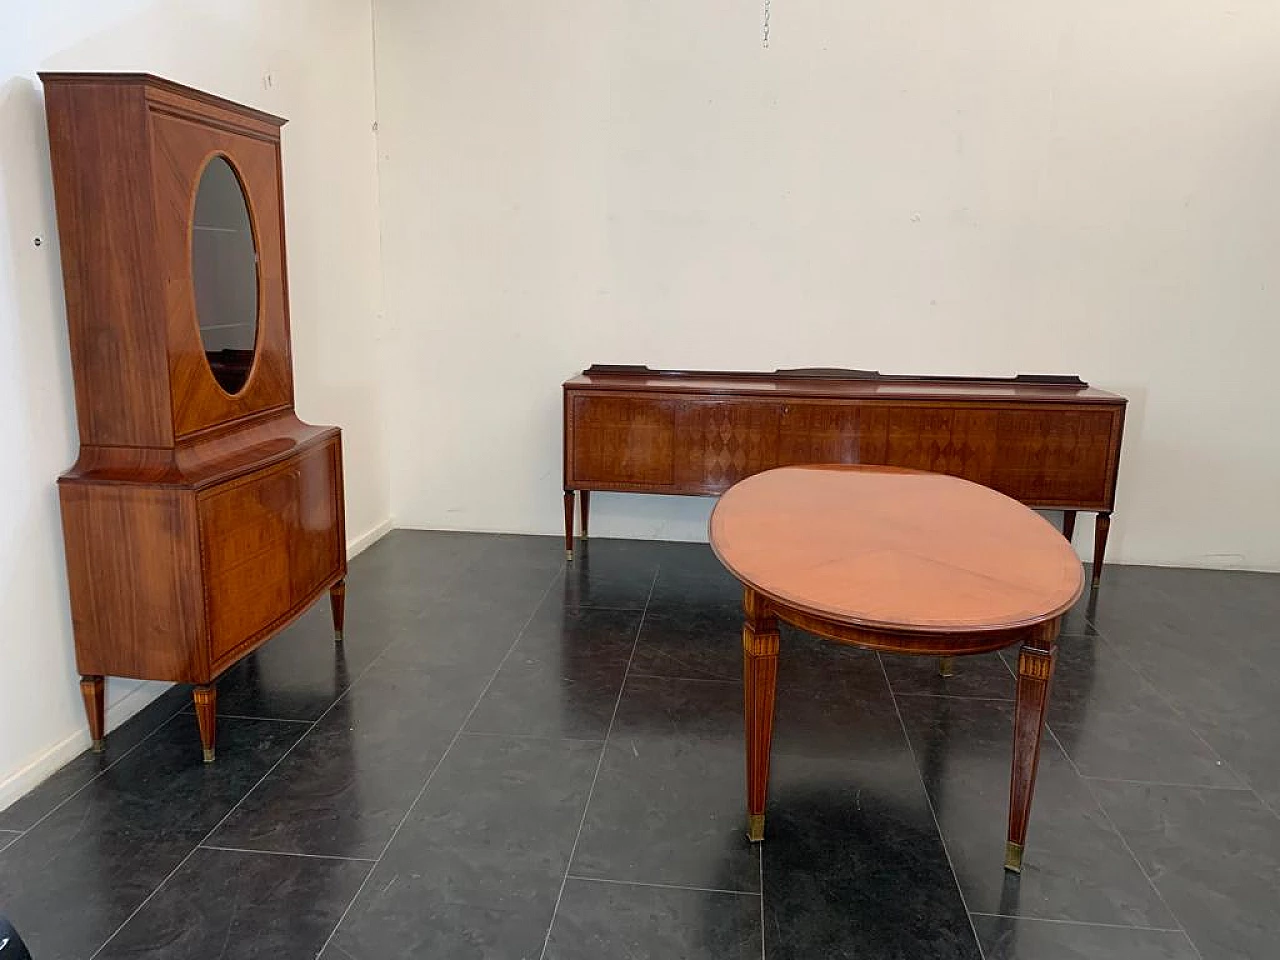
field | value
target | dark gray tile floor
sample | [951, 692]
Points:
[511, 757]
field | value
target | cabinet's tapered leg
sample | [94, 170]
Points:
[206, 700]
[1068, 524]
[1035, 673]
[760, 679]
[94, 689]
[338, 606]
[568, 525]
[585, 510]
[1101, 527]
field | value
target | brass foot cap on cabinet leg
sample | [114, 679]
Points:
[99, 746]
[946, 667]
[755, 827]
[208, 755]
[1013, 857]
[568, 555]
[337, 636]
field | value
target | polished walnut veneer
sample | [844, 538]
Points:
[1049, 442]
[198, 520]
[899, 561]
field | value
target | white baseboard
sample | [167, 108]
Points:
[49, 762]
[367, 539]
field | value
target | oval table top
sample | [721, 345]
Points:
[886, 548]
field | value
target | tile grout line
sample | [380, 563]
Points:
[1081, 923]
[528, 736]
[245, 716]
[661, 886]
[667, 676]
[85, 786]
[1124, 841]
[604, 749]
[439, 763]
[760, 861]
[236, 806]
[915, 761]
[1243, 788]
[284, 853]
[1172, 705]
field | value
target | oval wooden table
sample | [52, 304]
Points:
[898, 561]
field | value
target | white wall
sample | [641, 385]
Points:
[307, 60]
[910, 186]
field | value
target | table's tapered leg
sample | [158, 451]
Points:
[759, 684]
[568, 524]
[1068, 524]
[1035, 673]
[338, 606]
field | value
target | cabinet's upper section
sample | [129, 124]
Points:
[170, 219]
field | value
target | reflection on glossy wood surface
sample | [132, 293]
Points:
[901, 562]
[196, 523]
[1048, 443]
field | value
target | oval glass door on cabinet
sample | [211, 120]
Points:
[224, 265]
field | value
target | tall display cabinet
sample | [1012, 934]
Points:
[202, 515]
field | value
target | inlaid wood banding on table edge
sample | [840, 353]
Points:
[1035, 674]
[760, 642]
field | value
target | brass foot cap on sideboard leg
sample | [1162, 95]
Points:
[946, 667]
[337, 636]
[1013, 857]
[208, 756]
[755, 827]
[99, 746]
[568, 555]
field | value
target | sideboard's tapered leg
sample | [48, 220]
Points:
[1068, 524]
[1035, 673]
[586, 510]
[338, 606]
[206, 700]
[1101, 527]
[94, 690]
[759, 684]
[568, 525]
[946, 666]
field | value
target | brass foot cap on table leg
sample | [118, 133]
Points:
[755, 827]
[99, 746]
[946, 667]
[208, 755]
[1013, 857]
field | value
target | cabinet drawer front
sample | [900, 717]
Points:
[622, 440]
[719, 442]
[1060, 456]
[269, 542]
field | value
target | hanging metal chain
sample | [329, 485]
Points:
[765, 37]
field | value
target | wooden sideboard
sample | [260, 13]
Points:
[1050, 442]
